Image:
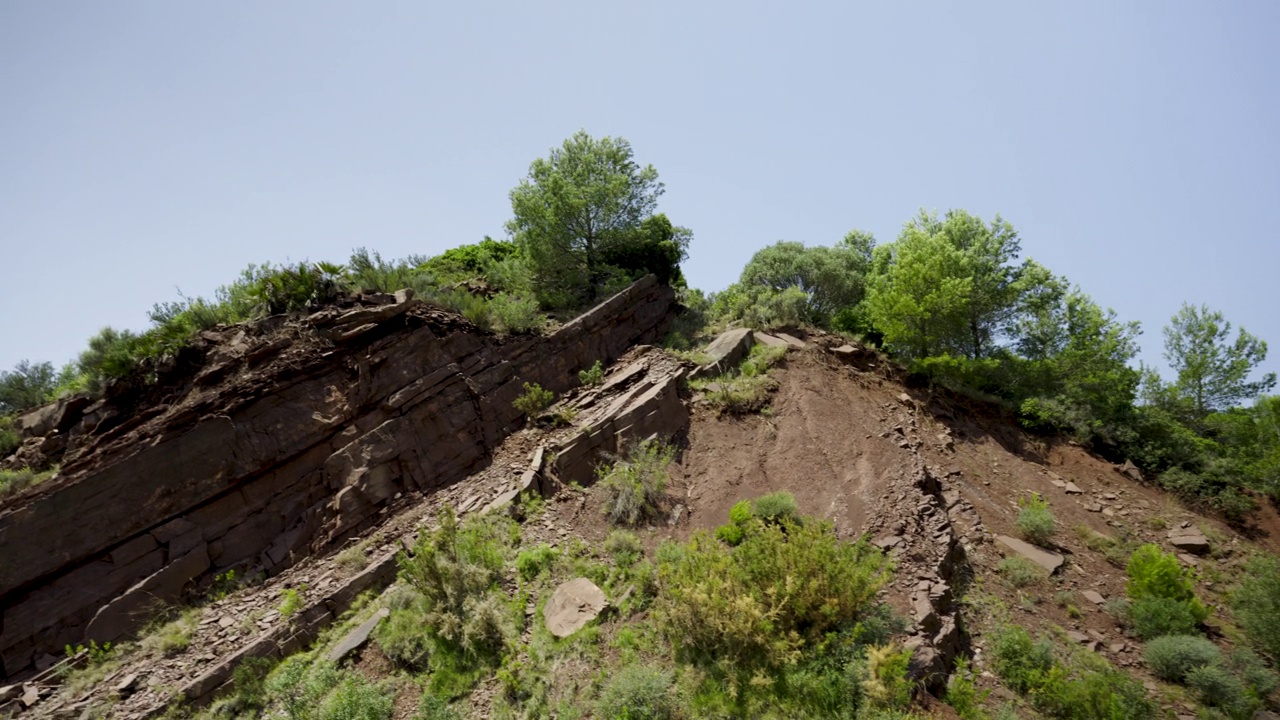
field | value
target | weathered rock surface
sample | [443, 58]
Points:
[725, 352]
[572, 606]
[274, 451]
[358, 637]
[1048, 560]
[1189, 540]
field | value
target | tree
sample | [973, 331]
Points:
[948, 286]
[833, 278]
[579, 207]
[1212, 372]
[26, 386]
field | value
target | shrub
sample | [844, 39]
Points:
[1035, 521]
[885, 684]
[1153, 617]
[1021, 661]
[1253, 671]
[534, 400]
[516, 314]
[633, 488]
[1019, 571]
[1215, 685]
[738, 395]
[637, 692]
[357, 699]
[775, 507]
[963, 695]
[743, 608]
[532, 562]
[26, 386]
[402, 636]
[1171, 657]
[592, 376]
[13, 482]
[10, 440]
[624, 547]
[457, 569]
[290, 603]
[434, 707]
[740, 517]
[1257, 604]
[173, 636]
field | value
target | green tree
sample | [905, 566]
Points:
[26, 386]
[579, 207]
[1212, 371]
[833, 278]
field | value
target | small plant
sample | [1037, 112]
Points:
[963, 695]
[1163, 602]
[223, 585]
[534, 400]
[633, 488]
[739, 516]
[98, 654]
[290, 603]
[885, 684]
[564, 416]
[624, 547]
[1035, 521]
[533, 562]
[1214, 685]
[1153, 617]
[15, 481]
[1257, 604]
[776, 507]
[637, 692]
[1173, 656]
[353, 559]
[1019, 571]
[516, 314]
[173, 636]
[592, 376]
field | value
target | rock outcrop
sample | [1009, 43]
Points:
[272, 450]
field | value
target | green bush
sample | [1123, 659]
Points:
[1214, 685]
[1035, 521]
[516, 314]
[1020, 572]
[592, 376]
[637, 692]
[25, 387]
[1253, 671]
[1257, 604]
[532, 562]
[624, 547]
[457, 569]
[1020, 660]
[402, 636]
[319, 691]
[10, 440]
[13, 482]
[963, 695]
[884, 683]
[1171, 657]
[633, 488]
[742, 608]
[434, 707]
[1153, 617]
[534, 400]
[776, 507]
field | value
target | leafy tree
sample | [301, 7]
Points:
[1213, 372]
[833, 278]
[581, 207]
[948, 286]
[26, 386]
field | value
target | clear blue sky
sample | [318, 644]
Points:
[148, 146]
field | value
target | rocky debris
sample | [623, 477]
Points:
[1188, 559]
[1050, 561]
[792, 340]
[358, 637]
[771, 340]
[302, 439]
[1094, 597]
[531, 481]
[572, 606]
[643, 402]
[1189, 540]
[725, 353]
[1073, 489]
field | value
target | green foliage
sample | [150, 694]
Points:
[1261, 679]
[534, 400]
[26, 386]
[1152, 617]
[637, 692]
[290, 603]
[633, 488]
[1163, 598]
[759, 604]
[433, 707]
[1084, 687]
[366, 271]
[776, 507]
[1019, 571]
[831, 278]
[13, 482]
[1212, 371]
[762, 307]
[624, 547]
[457, 569]
[1035, 521]
[592, 376]
[533, 562]
[584, 217]
[1256, 603]
[10, 440]
[1171, 657]
[514, 314]
[963, 695]
[1214, 685]
[402, 636]
[317, 691]
[885, 684]
[167, 638]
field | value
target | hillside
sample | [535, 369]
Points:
[931, 478]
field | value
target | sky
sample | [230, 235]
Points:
[147, 147]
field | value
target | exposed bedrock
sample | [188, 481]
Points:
[264, 471]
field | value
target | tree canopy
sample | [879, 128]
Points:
[1212, 370]
[585, 215]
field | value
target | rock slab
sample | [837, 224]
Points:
[572, 606]
[1045, 559]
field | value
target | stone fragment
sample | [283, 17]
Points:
[725, 352]
[127, 684]
[1189, 540]
[572, 606]
[793, 341]
[1045, 559]
[1077, 637]
[887, 541]
[358, 637]
[772, 340]
[1188, 559]
[1093, 597]
[1073, 489]
[1130, 470]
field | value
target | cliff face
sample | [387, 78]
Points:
[275, 449]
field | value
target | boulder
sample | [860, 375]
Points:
[572, 606]
[1131, 471]
[1189, 540]
[725, 352]
[358, 637]
[1093, 597]
[1045, 559]
[771, 340]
